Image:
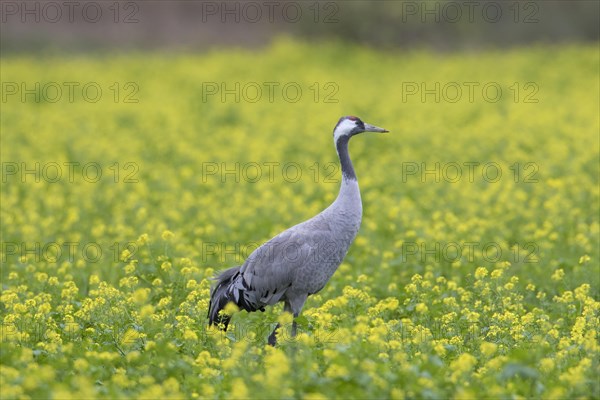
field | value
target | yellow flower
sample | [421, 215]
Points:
[239, 389]
[190, 335]
[80, 364]
[133, 356]
[208, 390]
[125, 254]
[130, 337]
[546, 364]
[558, 275]
[231, 308]
[167, 235]
[314, 396]
[278, 364]
[397, 394]
[464, 363]
[140, 296]
[440, 349]
[336, 371]
[191, 284]
[166, 266]
[581, 293]
[164, 302]
[481, 272]
[146, 311]
[128, 282]
[143, 239]
[130, 267]
[94, 279]
[284, 318]
[411, 288]
[488, 349]
[157, 282]
[450, 301]
[421, 308]
[575, 376]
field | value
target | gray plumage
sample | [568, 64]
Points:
[299, 261]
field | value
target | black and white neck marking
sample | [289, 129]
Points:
[343, 131]
[342, 150]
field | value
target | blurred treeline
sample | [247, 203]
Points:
[31, 26]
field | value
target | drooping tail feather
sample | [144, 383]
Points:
[220, 296]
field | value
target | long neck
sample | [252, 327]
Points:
[342, 150]
[347, 208]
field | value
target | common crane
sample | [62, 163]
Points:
[299, 261]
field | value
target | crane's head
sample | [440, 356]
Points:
[350, 126]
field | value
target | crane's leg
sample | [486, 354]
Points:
[296, 304]
[293, 306]
[273, 335]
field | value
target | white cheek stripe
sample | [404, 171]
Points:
[343, 129]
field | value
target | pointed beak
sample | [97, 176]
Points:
[373, 128]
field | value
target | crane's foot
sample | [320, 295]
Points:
[273, 336]
[294, 327]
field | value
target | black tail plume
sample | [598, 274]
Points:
[220, 296]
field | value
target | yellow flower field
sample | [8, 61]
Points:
[129, 180]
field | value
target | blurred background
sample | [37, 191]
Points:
[49, 26]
